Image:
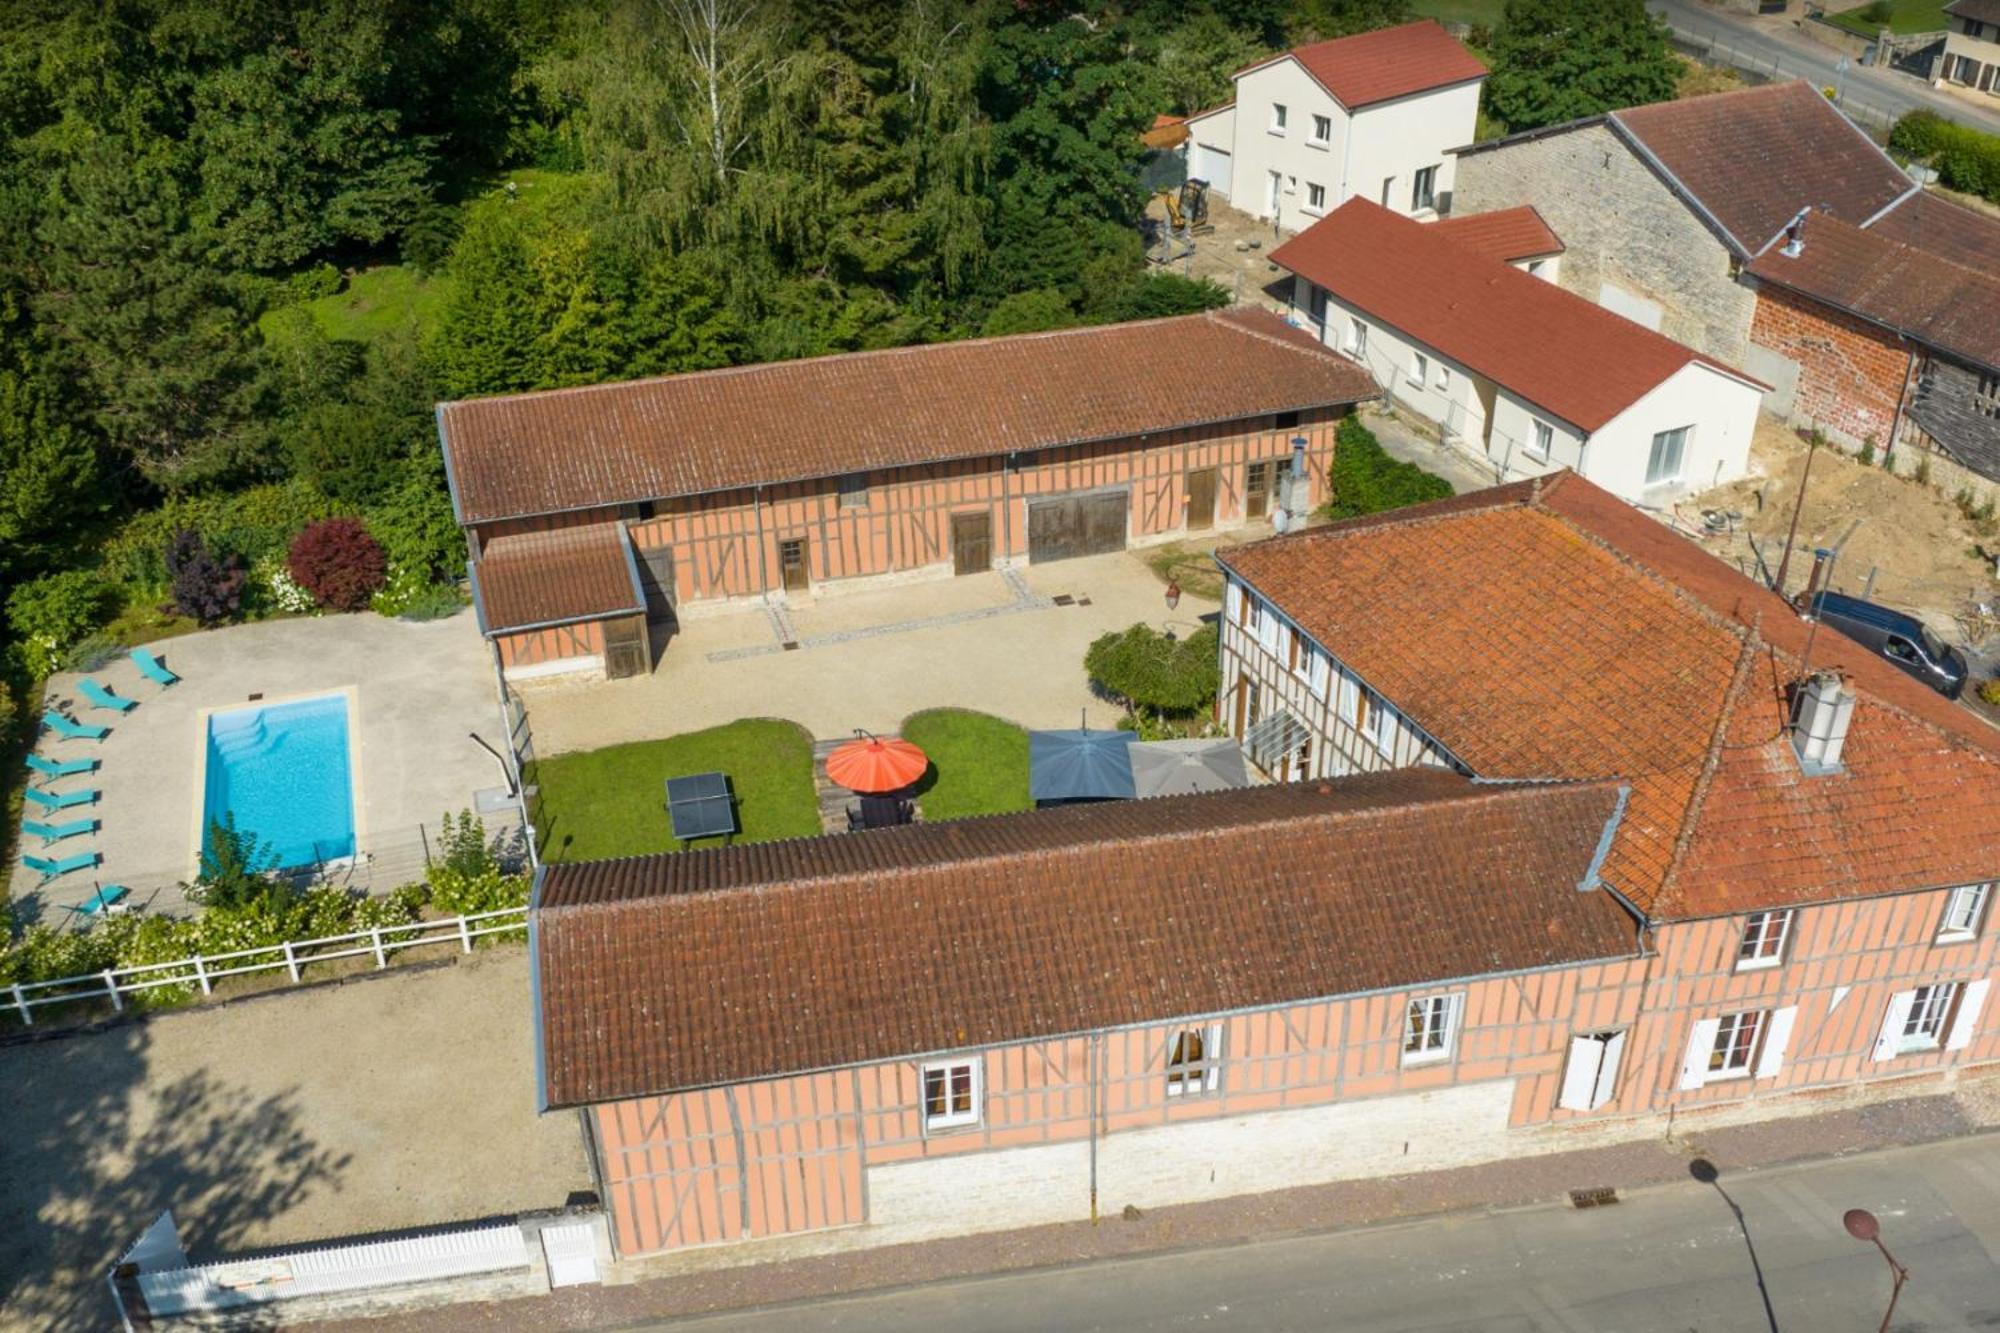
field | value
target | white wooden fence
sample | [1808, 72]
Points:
[289, 956]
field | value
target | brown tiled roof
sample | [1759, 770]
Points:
[1574, 360]
[1986, 11]
[1915, 292]
[716, 430]
[1553, 631]
[1944, 228]
[702, 968]
[545, 578]
[1385, 64]
[1755, 157]
[1505, 234]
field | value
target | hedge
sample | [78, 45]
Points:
[1966, 159]
[1365, 480]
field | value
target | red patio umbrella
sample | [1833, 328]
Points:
[873, 764]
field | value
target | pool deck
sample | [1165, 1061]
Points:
[415, 691]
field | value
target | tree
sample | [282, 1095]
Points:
[48, 469]
[1557, 60]
[1030, 312]
[1147, 669]
[1198, 59]
[1316, 20]
[236, 867]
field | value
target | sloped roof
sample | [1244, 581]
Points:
[1572, 359]
[1384, 64]
[701, 968]
[1986, 11]
[1912, 291]
[1548, 630]
[551, 578]
[715, 430]
[1944, 228]
[1753, 158]
[1505, 234]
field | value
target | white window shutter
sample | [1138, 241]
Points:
[1607, 1071]
[1967, 1023]
[1701, 1044]
[1890, 1039]
[1580, 1074]
[1776, 1038]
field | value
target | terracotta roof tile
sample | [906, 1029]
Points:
[1506, 234]
[1386, 63]
[1552, 631]
[1572, 359]
[716, 430]
[668, 972]
[1753, 158]
[543, 578]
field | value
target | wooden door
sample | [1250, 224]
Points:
[625, 647]
[971, 543]
[1257, 490]
[1072, 525]
[792, 564]
[1201, 499]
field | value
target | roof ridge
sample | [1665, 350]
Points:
[1417, 515]
[1317, 350]
[1712, 756]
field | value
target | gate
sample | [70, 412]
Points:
[1068, 526]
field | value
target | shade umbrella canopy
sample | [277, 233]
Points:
[877, 763]
[1181, 768]
[1080, 765]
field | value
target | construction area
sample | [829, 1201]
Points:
[1197, 234]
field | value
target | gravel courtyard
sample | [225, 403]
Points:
[396, 1100]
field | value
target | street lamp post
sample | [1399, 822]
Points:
[1861, 1225]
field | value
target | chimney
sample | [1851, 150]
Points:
[1795, 236]
[1822, 708]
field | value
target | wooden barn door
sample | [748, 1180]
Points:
[792, 564]
[971, 543]
[1201, 499]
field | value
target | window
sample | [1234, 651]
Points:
[1924, 1021]
[1277, 117]
[1541, 439]
[1663, 464]
[1444, 377]
[1296, 652]
[1420, 369]
[1535, 267]
[1194, 1061]
[1423, 190]
[1388, 190]
[1291, 185]
[1375, 719]
[1430, 1028]
[1941, 1016]
[1358, 344]
[951, 1094]
[1986, 398]
[1284, 420]
[1590, 1079]
[1322, 130]
[1302, 761]
[854, 491]
[1315, 197]
[1764, 937]
[1735, 1048]
[1964, 911]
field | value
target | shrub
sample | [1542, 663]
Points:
[1155, 295]
[275, 587]
[235, 868]
[462, 847]
[408, 597]
[1922, 475]
[1865, 455]
[415, 525]
[455, 894]
[1365, 480]
[49, 615]
[338, 563]
[204, 587]
[1965, 158]
[1030, 312]
[1989, 692]
[1148, 669]
[246, 524]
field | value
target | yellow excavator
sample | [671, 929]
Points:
[1187, 208]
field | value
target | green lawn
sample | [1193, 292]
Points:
[376, 300]
[1480, 13]
[612, 802]
[1901, 16]
[979, 764]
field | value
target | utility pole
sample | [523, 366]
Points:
[1805, 481]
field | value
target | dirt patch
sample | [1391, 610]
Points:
[1901, 542]
[1191, 563]
[1699, 80]
[1248, 274]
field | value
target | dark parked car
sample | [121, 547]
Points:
[1902, 639]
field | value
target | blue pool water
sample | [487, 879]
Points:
[282, 771]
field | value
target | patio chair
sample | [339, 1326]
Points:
[109, 900]
[49, 833]
[76, 731]
[48, 869]
[101, 697]
[152, 668]
[61, 768]
[61, 800]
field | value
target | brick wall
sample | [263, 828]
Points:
[1851, 374]
[1620, 224]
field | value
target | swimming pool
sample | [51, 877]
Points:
[283, 771]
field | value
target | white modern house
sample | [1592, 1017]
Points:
[1369, 116]
[1512, 369]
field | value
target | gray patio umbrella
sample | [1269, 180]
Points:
[1080, 766]
[1178, 768]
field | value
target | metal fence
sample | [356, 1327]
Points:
[291, 957]
[1713, 45]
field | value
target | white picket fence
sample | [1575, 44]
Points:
[115, 983]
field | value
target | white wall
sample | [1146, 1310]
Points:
[1446, 398]
[1215, 130]
[1395, 139]
[1723, 412]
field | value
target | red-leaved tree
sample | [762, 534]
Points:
[338, 563]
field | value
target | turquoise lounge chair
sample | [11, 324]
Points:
[49, 833]
[106, 900]
[61, 800]
[61, 768]
[152, 668]
[104, 698]
[76, 731]
[48, 869]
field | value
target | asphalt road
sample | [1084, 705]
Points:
[1674, 1259]
[1885, 93]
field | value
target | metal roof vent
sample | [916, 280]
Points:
[1822, 708]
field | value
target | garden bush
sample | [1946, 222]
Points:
[1965, 158]
[51, 614]
[247, 525]
[1148, 669]
[1365, 480]
[235, 868]
[338, 563]
[204, 586]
